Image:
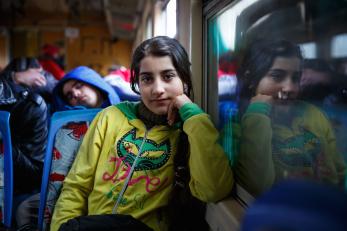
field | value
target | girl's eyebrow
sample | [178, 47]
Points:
[162, 72]
[276, 69]
[75, 83]
[145, 73]
[168, 70]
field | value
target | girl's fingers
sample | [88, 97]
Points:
[171, 113]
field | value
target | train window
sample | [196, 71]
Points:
[149, 28]
[339, 48]
[169, 19]
[309, 49]
[280, 68]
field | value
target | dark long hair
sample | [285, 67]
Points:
[183, 208]
[257, 61]
[161, 46]
[22, 64]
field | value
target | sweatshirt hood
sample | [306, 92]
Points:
[86, 75]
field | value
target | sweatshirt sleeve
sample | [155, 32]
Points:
[78, 184]
[254, 167]
[211, 176]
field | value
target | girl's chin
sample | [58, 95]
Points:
[160, 111]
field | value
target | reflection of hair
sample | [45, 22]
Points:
[318, 65]
[22, 64]
[317, 90]
[258, 60]
[162, 46]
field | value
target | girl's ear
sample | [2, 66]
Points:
[185, 88]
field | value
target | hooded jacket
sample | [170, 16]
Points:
[28, 122]
[86, 75]
[116, 140]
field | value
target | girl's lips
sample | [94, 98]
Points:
[159, 100]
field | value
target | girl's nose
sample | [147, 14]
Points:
[289, 86]
[75, 93]
[158, 87]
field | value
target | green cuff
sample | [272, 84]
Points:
[188, 110]
[259, 107]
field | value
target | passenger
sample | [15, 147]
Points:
[81, 88]
[281, 137]
[118, 78]
[28, 124]
[227, 81]
[135, 156]
[48, 61]
[317, 81]
[37, 79]
[323, 87]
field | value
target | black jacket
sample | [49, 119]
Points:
[28, 122]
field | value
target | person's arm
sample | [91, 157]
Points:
[73, 200]
[338, 163]
[254, 167]
[29, 78]
[211, 176]
[29, 139]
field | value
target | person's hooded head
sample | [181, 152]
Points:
[83, 88]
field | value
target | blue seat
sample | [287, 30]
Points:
[298, 205]
[66, 131]
[6, 169]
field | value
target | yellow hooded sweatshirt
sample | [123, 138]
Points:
[114, 139]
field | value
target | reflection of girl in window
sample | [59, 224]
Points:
[281, 137]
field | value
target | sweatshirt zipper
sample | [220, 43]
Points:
[125, 186]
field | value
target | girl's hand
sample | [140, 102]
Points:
[175, 105]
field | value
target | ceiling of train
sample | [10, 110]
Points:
[122, 16]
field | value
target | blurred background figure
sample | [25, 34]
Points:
[298, 205]
[326, 88]
[317, 80]
[83, 88]
[227, 80]
[48, 61]
[28, 124]
[119, 79]
[36, 79]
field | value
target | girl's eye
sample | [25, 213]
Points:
[169, 75]
[145, 78]
[78, 85]
[277, 76]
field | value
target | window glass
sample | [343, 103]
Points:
[2, 191]
[339, 48]
[171, 19]
[167, 25]
[280, 68]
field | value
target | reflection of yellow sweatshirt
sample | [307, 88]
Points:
[274, 146]
[108, 151]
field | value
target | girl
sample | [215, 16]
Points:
[133, 156]
[281, 137]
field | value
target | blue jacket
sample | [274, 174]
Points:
[86, 75]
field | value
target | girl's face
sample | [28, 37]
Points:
[282, 80]
[158, 83]
[80, 93]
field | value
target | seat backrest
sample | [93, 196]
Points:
[6, 172]
[66, 131]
